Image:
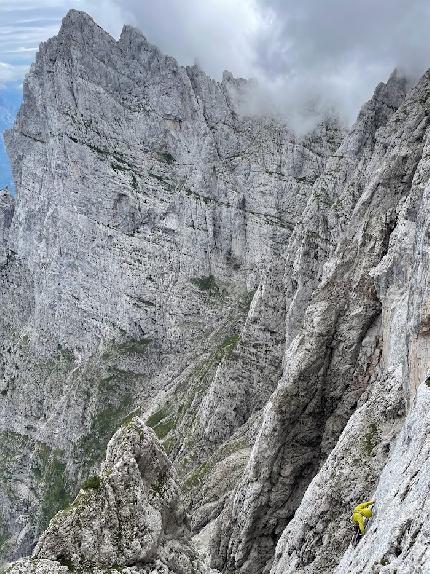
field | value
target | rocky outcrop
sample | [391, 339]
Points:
[129, 516]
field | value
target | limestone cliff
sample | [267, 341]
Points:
[148, 214]
[258, 299]
[358, 330]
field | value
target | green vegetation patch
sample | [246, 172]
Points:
[156, 418]
[92, 483]
[168, 444]
[228, 346]
[371, 439]
[163, 428]
[134, 346]
[56, 495]
[92, 446]
[167, 157]
[162, 422]
[197, 476]
[130, 347]
[127, 420]
[206, 284]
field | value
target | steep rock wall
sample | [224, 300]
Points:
[148, 212]
[331, 358]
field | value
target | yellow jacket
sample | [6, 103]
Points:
[360, 512]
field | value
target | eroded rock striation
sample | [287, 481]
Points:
[260, 300]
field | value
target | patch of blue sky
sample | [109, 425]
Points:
[10, 100]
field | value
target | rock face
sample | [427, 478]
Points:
[351, 338]
[7, 206]
[332, 329]
[398, 538]
[129, 516]
[321, 529]
[259, 300]
[148, 214]
[178, 174]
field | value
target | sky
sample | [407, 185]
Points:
[308, 56]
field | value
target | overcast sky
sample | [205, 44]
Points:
[307, 53]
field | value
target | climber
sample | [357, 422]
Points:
[359, 514]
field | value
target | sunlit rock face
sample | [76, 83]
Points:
[260, 300]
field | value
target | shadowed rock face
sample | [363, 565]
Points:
[260, 300]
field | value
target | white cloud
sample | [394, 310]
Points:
[218, 33]
[22, 50]
[9, 73]
[307, 55]
[335, 52]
